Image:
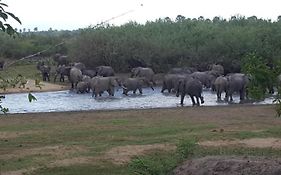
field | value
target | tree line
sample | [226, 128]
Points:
[160, 44]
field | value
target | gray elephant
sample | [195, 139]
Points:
[192, 87]
[182, 70]
[105, 71]
[89, 72]
[101, 84]
[62, 71]
[79, 65]
[45, 70]
[237, 82]
[75, 76]
[145, 72]
[206, 78]
[217, 69]
[221, 85]
[170, 81]
[84, 85]
[61, 59]
[134, 84]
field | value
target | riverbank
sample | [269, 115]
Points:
[105, 142]
[31, 87]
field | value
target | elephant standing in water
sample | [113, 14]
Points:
[104, 71]
[192, 87]
[84, 85]
[134, 84]
[101, 84]
[145, 72]
[221, 85]
[170, 81]
[237, 82]
[75, 76]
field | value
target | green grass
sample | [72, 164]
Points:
[98, 132]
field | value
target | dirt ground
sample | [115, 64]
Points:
[230, 165]
[31, 87]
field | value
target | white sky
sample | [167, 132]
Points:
[70, 14]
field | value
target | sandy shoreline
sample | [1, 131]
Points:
[31, 87]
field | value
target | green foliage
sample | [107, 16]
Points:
[4, 15]
[159, 163]
[261, 76]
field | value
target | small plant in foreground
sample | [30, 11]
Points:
[162, 163]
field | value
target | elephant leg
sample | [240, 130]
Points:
[140, 90]
[197, 101]
[182, 98]
[218, 96]
[193, 100]
[202, 99]
[163, 87]
[242, 94]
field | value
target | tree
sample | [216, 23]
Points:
[4, 15]
[7, 28]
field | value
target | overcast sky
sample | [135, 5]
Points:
[70, 14]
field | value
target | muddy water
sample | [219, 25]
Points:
[70, 101]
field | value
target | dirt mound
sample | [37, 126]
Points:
[230, 165]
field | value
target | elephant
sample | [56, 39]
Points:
[89, 72]
[134, 84]
[192, 87]
[217, 69]
[221, 85]
[206, 78]
[45, 70]
[146, 72]
[237, 82]
[100, 84]
[170, 81]
[84, 85]
[61, 59]
[62, 71]
[104, 71]
[79, 65]
[75, 76]
[182, 70]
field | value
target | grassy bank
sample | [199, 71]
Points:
[123, 142]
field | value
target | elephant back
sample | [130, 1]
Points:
[75, 75]
[105, 71]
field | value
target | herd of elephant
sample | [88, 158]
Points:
[182, 81]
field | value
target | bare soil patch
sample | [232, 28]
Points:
[252, 143]
[31, 87]
[57, 151]
[123, 154]
[230, 165]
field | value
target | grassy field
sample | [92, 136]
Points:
[151, 141]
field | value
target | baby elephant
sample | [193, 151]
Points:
[134, 84]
